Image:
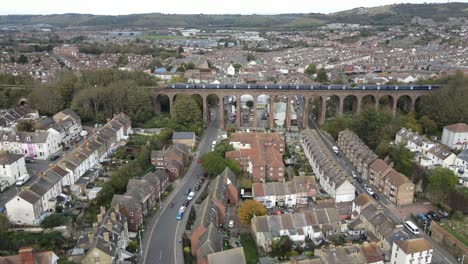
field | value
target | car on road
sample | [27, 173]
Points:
[290, 211]
[190, 196]
[29, 160]
[4, 185]
[335, 149]
[22, 179]
[375, 196]
[197, 188]
[278, 212]
[182, 209]
[188, 191]
[365, 186]
[186, 203]
[369, 191]
[231, 224]
[359, 180]
[353, 173]
[179, 216]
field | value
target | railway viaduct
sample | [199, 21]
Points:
[322, 93]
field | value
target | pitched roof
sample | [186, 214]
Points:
[457, 128]
[230, 256]
[410, 246]
[7, 158]
[379, 166]
[29, 196]
[183, 135]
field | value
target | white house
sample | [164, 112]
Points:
[462, 164]
[456, 136]
[439, 155]
[25, 208]
[12, 166]
[409, 251]
[39, 145]
[231, 71]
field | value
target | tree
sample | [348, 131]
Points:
[250, 57]
[322, 76]
[441, 182]
[402, 159]
[223, 147]
[22, 59]
[237, 67]
[122, 60]
[249, 103]
[187, 113]
[25, 125]
[311, 69]
[213, 163]
[428, 125]
[370, 125]
[280, 247]
[248, 209]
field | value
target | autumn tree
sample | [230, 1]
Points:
[248, 209]
[441, 182]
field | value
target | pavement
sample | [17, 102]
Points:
[161, 241]
[440, 255]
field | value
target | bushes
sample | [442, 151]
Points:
[54, 220]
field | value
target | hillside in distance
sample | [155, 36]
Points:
[397, 14]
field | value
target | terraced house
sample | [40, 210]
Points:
[356, 151]
[333, 179]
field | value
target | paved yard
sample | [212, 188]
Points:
[404, 212]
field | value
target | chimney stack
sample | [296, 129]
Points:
[109, 225]
[117, 208]
[26, 255]
[99, 218]
[90, 238]
[95, 227]
[106, 236]
[103, 210]
[113, 217]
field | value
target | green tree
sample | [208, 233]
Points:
[311, 69]
[441, 182]
[248, 209]
[322, 76]
[223, 147]
[186, 111]
[122, 60]
[25, 125]
[280, 247]
[250, 57]
[213, 163]
[22, 59]
[237, 67]
[249, 103]
[428, 125]
[54, 220]
[370, 126]
[402, 159]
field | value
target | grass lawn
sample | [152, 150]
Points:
[458, 229]
[250, 248]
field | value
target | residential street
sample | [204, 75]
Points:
[440, 256]
[162, 239]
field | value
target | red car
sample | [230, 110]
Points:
[278, 212]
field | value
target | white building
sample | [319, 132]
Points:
[12, 166]
[456, 136]
[231, 71]
[461, 162]
[411, 251]
[25, 208]
[38, 145]
[439, 155]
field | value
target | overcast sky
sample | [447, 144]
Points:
[122, 7]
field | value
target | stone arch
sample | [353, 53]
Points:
[247, 103]
[419, 101]
[214, 105]
[386, 102]
[230, 114]
[369, 101]
[404, 103]
[350, 104]
[315, 109]
[162, 103]
[332, 107]
[263, 111]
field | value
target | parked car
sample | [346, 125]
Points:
[54, 157]
[431, 215]
[190, 196]
[278, 212]
[359, 180]
[290, 210]
[231, 224]
[354, 174]
[197, 187]
[179, 216]
[186, 202]
[375, 196]
[22, 180]
[182, 209]
[365, 186]
[188, 191]
[29, 160]
[443, 213]
[4, 185]
[369, 191]
[422, 218]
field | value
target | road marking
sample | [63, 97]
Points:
[175, 243]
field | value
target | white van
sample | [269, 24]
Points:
[22, 179]
[412, 227]
[213, 145]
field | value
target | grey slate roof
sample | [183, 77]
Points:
[183, 135]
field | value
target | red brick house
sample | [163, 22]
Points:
[172, 159]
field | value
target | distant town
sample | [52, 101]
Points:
[342, 143]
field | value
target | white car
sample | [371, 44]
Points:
[182, 209]
[231, 224]
[190, 196]
[354, 174]
[22, 180]
[369, 191]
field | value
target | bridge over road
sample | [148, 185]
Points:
[378, 96]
